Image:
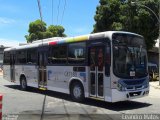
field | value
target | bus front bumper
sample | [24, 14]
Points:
[127, 95]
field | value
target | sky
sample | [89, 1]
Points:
[77, 17]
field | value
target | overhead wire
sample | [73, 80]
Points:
[40, 10]
[52, 12]
[65, 3]
[58, 7]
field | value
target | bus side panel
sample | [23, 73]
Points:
[31, 74]
[7, 72]
[58, 78]
[18, 72]
[107, 89]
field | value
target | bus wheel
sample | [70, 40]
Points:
[23, 83]
[77, 92]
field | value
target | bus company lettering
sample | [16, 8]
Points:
[70, 74]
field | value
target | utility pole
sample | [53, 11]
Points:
[39, 6]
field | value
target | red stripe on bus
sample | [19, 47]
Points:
[53, 43]
[0, 106]
[1, 97]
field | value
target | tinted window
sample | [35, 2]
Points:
[31, 56]
[6, 58]
[21, 57]
[76, 53]
[58, 55]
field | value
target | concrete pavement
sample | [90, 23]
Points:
[155, 84]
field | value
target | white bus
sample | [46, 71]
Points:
[109, 66]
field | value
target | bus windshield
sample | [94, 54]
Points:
[129, 56]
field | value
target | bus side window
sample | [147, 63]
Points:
[31, 56]
[76, 53]
[21, 56]
[107, 60]
[58, 55]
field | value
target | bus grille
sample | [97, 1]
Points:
[134, 82]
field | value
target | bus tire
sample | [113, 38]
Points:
[77, 91]
[23, 83]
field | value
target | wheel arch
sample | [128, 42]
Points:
[75, 79]
[21, 76]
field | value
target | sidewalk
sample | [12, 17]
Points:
[155, 84]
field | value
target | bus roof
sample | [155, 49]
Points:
[61, 40]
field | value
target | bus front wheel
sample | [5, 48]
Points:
[77, 91]
[23, 83]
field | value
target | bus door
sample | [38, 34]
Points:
[42, 62]
[96, 71]
[12, 64]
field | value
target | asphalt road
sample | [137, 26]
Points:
[27, 105]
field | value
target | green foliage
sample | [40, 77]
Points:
[117, 15]
[57, 30]
[37, 26]
[37, 30]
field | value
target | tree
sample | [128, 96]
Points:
[118, 15]
[37, 30]
[56, 31]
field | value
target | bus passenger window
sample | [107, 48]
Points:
[21, 57]
[76, 53]
[58, 55]
[31, 56]
[6, 58]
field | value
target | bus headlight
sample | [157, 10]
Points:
[120, 87]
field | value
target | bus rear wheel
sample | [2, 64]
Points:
[23, 83]
[77, 92]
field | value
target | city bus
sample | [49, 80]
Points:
[109, 66]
